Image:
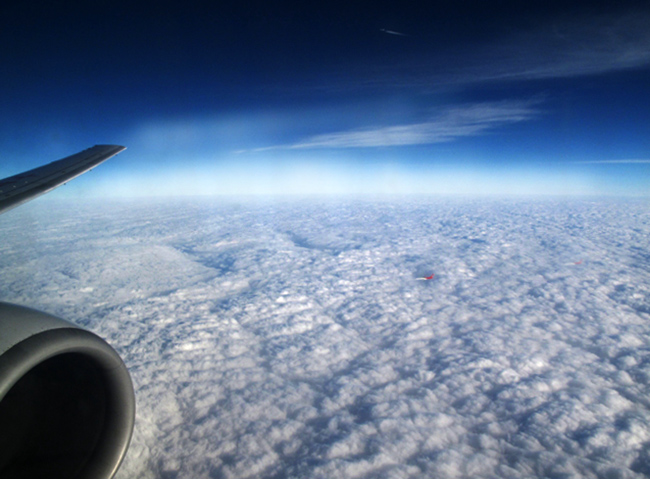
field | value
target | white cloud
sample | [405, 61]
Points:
[291, 339]
[613, 162]
[581, 46]
[562, 47]
[448, 125]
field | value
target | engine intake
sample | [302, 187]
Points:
[67, 405]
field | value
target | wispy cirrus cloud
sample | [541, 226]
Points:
[576, 47]
[566, 47]
[614, 162]
[448, 125]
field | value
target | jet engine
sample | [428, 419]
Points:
[67, 405]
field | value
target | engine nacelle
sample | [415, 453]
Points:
[67, 405]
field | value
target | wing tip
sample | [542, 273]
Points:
[117, 147]
[47, 177]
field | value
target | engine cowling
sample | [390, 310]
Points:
[67, 405]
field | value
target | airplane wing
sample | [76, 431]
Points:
[67, 406]
[26, 186]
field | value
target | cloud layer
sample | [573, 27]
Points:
[271, 339]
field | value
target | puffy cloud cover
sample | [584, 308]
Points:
[291, 339]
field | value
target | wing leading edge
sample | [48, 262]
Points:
[26, 186]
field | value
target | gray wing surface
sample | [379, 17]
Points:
[26, 186]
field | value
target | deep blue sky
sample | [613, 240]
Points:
[279, 97]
